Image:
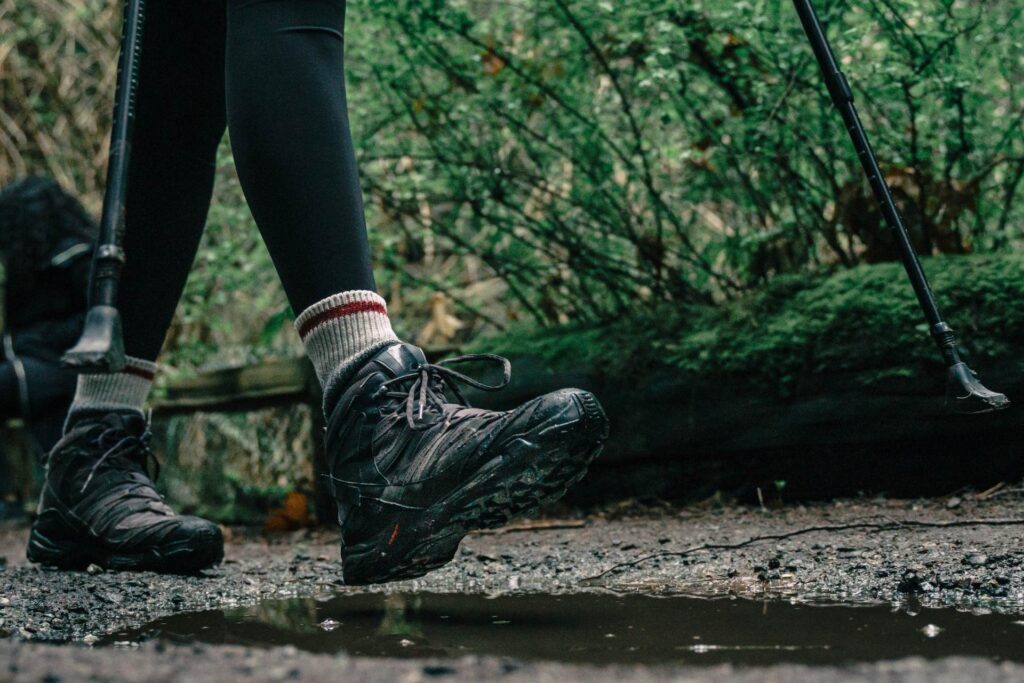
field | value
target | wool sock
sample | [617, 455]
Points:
[120, 391]
[340, 333]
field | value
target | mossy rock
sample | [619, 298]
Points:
[235, 467]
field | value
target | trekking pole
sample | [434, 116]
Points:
[964, 393]
[101, 346]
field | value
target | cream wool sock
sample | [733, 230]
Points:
[125, 390]
[341, 332]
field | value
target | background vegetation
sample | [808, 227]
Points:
[592, 181]
[554, 161]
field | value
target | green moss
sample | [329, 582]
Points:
[863, 320]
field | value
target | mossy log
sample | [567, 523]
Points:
[829, 384]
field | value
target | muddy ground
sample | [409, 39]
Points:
[962, 551]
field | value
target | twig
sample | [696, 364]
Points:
[989, 492]
[890, 526]
[1004, 491]
[539, 525]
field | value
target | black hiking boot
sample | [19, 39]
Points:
[413, 472]
[98, 506]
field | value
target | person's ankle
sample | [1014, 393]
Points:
[340, 334]
[120, 392]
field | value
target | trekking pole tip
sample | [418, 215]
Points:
[967, 396]
[100, 349]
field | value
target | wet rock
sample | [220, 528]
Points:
[94, 569]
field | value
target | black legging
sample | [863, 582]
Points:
[272, 71]
[49, 388]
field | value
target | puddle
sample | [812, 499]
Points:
[594, 628]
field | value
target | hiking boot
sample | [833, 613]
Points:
[412, 471]
[99, 506]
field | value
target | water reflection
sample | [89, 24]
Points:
[597, 628]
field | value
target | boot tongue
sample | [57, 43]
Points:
[130, 421]
[400, 359]
[109, 445]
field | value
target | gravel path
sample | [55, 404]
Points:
[931, 553]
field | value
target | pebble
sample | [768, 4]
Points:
[977, 559]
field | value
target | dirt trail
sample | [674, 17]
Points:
[958, 552]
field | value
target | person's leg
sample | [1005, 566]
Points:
[98, 504]
[289, 131]
[180, 120]
[49, 388]
[411, 471]
[10, 392]
[288, 122]
[10, 407]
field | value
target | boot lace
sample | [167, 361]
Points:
[119, 443]
[427, 384]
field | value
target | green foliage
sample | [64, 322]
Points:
[863, 321]
[563, 161]
[602, 156]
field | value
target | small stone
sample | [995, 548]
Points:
[976, 559]
[94, 569]
[953, 502]
[90, 639]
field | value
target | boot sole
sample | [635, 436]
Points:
[202, 551]
[420, 541]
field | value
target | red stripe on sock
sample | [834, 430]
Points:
[139, 372]
[341, 312]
